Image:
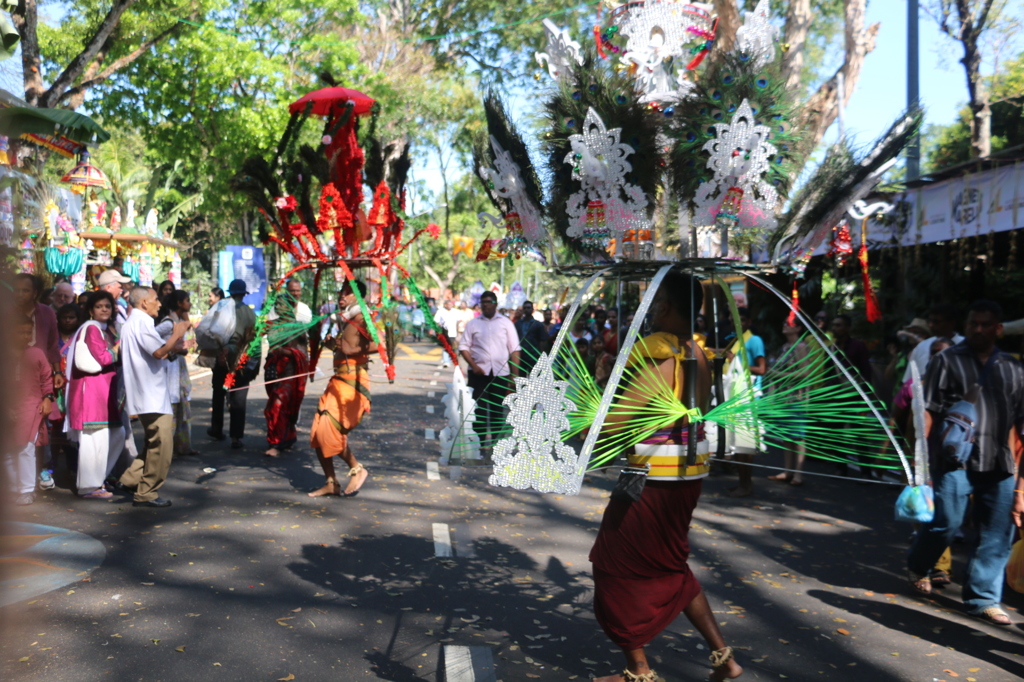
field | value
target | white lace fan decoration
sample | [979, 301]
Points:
[606, 205]
[740, 155]
[659, 32]
[505, 180]
[563, 52]
[534, 455]
[755, 39]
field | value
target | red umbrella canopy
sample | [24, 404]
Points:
[330, 100]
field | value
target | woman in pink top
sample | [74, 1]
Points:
[32, 399]
[95, 398]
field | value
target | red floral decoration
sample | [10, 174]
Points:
[434, 230]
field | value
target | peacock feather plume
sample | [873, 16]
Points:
[612, 96]
[717, 95]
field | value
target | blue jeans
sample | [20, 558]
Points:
[993, 498]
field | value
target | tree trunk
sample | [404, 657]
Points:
[26, 21]
[971, 28]
[822, 108]
[794, 37]
[729, 21]
[78, 65]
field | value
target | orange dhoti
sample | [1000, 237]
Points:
[341, 408]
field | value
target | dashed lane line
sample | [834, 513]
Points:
[442, 540]
[468, 664]
[432, 472]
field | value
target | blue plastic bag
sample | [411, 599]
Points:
[916, 503]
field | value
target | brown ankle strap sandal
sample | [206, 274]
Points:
[720, 657]
[649, 676]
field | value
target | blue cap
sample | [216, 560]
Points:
[236, 287]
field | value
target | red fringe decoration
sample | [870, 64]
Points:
[346, 159]
[874, 313]
[597, 40]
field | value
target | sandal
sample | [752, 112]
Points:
[994, 616]
[940, 578]
[649, 676]
[98, 494]
[352, 473]
[720, 660]
[921, 584]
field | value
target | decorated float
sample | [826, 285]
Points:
[666, 154]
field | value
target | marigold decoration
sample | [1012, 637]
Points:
[287, 203]
[490, 249]
[4, 148]
[434, 230]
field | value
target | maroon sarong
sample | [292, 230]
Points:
[641, 578]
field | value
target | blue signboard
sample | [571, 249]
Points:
[244, 263]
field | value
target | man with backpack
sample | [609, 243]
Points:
[227, 360]
[974, 394]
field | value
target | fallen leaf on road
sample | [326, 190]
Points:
[25, 659]
[180, 649]
[286, 679]
[587, 661]
[842, 631]
[155, 641]
[951, 673]
[187, 615]
[293, 610]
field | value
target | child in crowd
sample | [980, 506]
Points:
[31, 402]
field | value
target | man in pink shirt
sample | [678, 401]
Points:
[490, 346]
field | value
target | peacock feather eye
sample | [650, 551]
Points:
[593, 87]
[716, 95]
[731, 108]
[744, 57]
[761, 82]
[703, 111]
[691, 136]
[710, 132]
[577, 94]
[728, 79]
[570, 123]
[717, 114]
[620, 99]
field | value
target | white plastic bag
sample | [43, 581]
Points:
[217, 325]
[84, 361]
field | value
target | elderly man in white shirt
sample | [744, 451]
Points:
[490, 346]
[145, 383]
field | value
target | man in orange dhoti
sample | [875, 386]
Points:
[346, 398]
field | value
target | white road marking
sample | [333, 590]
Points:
[455, 473]
[430, 409]
[468, 664]
[432, 473]
[437, 374]
[428, 434]
[431, 394]
[463, 542]
[442, 540]
[433, 383]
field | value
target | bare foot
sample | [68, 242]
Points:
[740, 491]
[730, 671]
[779, 477]
[356, 481]
[332, 488]
[796, 481]
[272, 452]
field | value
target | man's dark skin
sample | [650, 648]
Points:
[665, 318]
[26, 297]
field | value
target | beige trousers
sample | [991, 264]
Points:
[149, 471]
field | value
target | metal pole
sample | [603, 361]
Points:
[913, 88]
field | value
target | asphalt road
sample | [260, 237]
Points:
[246, 578]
